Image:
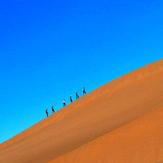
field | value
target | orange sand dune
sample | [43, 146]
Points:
[119, 122]
[140, 141]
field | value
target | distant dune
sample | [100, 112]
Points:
[120, 122]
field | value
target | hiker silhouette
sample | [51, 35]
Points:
[53, 109]
[84, 91]
[71, 100]
[77, 95]
[64, 102]
[47, 114]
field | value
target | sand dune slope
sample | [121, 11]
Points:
[140, 141]
[102, 117]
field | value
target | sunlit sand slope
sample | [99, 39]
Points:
[140, 141]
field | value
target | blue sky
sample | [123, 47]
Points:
[50, 49]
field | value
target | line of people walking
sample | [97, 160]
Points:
[64, 101]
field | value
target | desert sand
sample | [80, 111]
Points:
[118, 122]
[140, 141]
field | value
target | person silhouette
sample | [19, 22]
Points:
[53, 109]
[84, 91]
[71, 100]
[47, 114]
[64, 102]
[77, 95]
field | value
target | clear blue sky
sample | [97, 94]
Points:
[50, 49]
